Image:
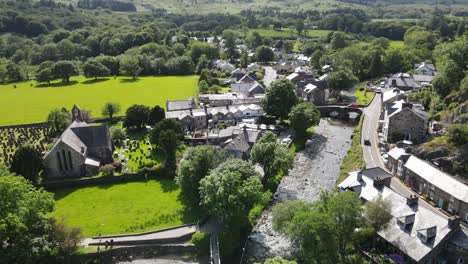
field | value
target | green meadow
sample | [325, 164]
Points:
[30, 102]
[122, 208]
[288, 32]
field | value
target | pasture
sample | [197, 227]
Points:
[122, 208]
[30, 102]
[288, 32]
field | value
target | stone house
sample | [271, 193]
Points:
[405, 121]
[315, 95]
[238, 146]
[424, 69]
[415, 234]
[403, 81]
[80, 150]
[391, 96]
[213, 100]
[445, 191]
[190, 120]
[248, 87]
[396, 160]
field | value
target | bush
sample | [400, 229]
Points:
[118, 135]
[107, 170]
[202, 243]
[458, 134]
[255, 214]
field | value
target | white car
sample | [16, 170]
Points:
[286, 141]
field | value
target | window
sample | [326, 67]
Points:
[460, 261]
[64, 159]
[466, 217]
[59, 161]
[70, 160]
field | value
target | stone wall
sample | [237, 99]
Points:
[406, 125]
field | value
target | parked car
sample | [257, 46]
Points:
[286, 141]
[367, 142]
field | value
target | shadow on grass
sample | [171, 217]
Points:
[62, 193]
[129, 80]
[60, 84]
[95, 81]
[192, 211]
[168, 185]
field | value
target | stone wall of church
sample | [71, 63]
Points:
[64, 161]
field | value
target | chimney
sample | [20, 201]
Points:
[412, 200]
[206, 109]
[454, 222]
[359, 176]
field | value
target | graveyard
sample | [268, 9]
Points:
[13, 138]
[122, 208]
[30, 102]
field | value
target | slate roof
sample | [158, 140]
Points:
[239, 143]
[92, 136]
[376, 173]
[460, 238]
[405, 239]
[396, 152]
[423, 78]
[403, 80]
[180, 105]
[421, 65]
[438, 178]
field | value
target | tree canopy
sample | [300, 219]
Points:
[303, 116]
[280, 97]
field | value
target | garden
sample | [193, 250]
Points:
[28, 102]
[122, 208]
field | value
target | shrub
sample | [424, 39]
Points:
[107, 170]
[458, 134]
[202, 243]
[255, 214]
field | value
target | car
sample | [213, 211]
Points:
[367, 142]
[353, 105]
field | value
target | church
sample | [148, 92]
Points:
[80, 150]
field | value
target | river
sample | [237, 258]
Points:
[315, 169]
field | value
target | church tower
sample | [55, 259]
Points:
[76, 114]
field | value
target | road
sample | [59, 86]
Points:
[372, 155]
[270, 75]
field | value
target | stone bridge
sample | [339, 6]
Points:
[340, 112]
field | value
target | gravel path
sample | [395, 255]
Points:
[315, 169]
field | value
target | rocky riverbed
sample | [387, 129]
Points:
[315, 169]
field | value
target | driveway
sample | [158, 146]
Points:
[270, 75]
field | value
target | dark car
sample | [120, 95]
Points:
[367, 142]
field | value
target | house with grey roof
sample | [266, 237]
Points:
[247, 86]
[446, 191]
[314, 94]
[180, 105]
[396, 160]
[391, 96]
[405, 121]
[424, 69]
[416, 233]
[80, 150]
[403, 81]
[238, 146]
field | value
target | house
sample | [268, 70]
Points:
[180, 105]
[230, 98]
[294, 77]
[254, 67]
[391, 96]
[190, 120]
[223, 65]
[327, 68]
[303, 60]
[445, 191]
[416, 233]
[80, 150]
[238, 146]
[287, 66]
[405, 121]
[403, 81]
[396, 160]
[247, 86]
[424, 69]
[315, 95]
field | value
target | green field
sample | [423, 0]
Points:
[363, 97]
[29, 103]
[397, 44]
[122, 208]
[288, 32]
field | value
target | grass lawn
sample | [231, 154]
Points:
[363, 97]
[287, 32]
[354, 159]
[397, 44]
[30, 103]
[122, 208]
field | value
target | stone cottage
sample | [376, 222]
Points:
[80, 150]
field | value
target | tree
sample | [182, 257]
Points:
[167, 141]
[13, 73]
[195, 165]
[458, 134]
[254, 40]
[117, 135]
[64, 70]
[303, 116]
[95, 69]
[244, 59]
[202, 64]
[166, 124]
[27, 162]
[280, 98]
[278, 260]
[203, 87]
[341, 79]
[378, 214]
[272, 156]
[299, 26]
[129, 66]
[264, 54]
[338, 41]
[136, 116]
[156, 114]
[45, 75]
[230, 191]
[110, 109]
[58, 120]
[230, 37]
[64, 239]
[24, 227]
